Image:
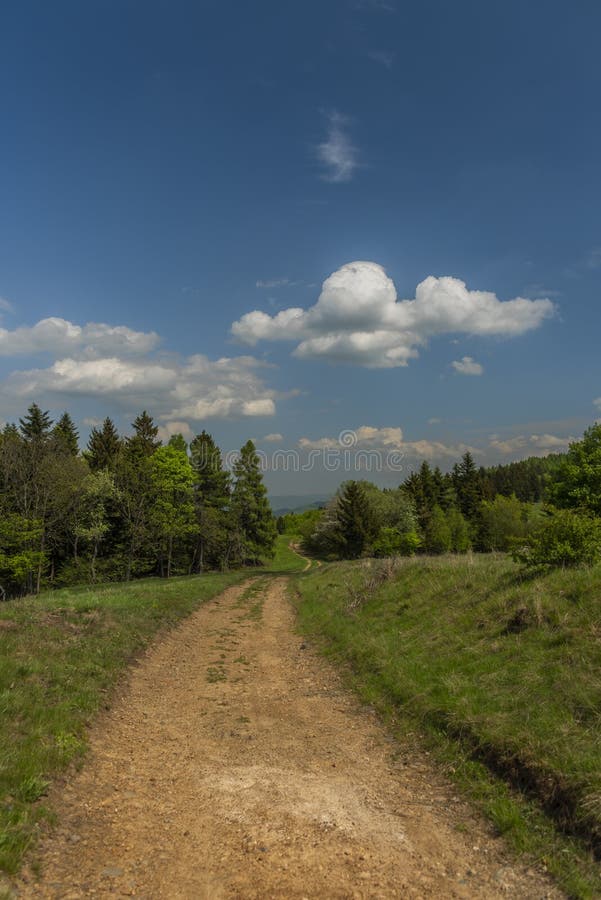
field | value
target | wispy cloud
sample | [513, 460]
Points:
[594, 259]
[272, 282]
[382, 57]
[6, 305]
[338, 154]
[375, 5]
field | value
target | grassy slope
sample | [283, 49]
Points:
[60, 655]
[443, 642]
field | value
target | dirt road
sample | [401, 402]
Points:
[234, 765]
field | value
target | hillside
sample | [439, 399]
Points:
[507, 667]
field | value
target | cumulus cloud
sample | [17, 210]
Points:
[337, 153]
[467, 366]
[59, 336]
[530, 445]
[167, 431]
[98, 360]
[358, 318]
[386, 439]
[391, 443]
[274, 438]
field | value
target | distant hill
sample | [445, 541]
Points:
[286, 503]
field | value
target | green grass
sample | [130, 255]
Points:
[502, 673]
[285, 560]
[60, 656]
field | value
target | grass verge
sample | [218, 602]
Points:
[60, 656]
[501, 674]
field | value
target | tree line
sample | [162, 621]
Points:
[546, 511]
[125, 507]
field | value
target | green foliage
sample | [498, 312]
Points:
[355, 520]
[20, 557]
[565, 538]
[468, 485]
[438, 538]
[392, 542]
[36, 424]
[577, 481]
[505, 520]
[103, 448]
[252, 516]
[66, 434]
[172, 515]
[460, 531]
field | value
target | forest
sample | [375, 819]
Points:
[545, 511]
[129, 506]
[125, 507]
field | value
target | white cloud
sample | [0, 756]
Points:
[530, 445]
[57, 336]
[274, 438]
[358, 318]
[337, 153]
[6, 305]
[167, 431]
[177, 390]
[387, 439]
[467, 366]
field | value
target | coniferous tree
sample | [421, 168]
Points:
[212, 490]
[144, 440]
[468, 486]
[103, 448]
[178, 442]
[251, 511]
[66, 434]
[36, 425]
[354, 520]
[211, 481]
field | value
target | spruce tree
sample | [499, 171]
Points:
[103, 447]
[468, 486]
[211, 481]
[36, 425]
[354, 520]
[144, 440]
[66, 434]
[250, 506]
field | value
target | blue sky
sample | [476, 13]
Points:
[169, 168]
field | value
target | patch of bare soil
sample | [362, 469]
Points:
[236, 766]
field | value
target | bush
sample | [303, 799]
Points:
[391, 542]
[566, 538]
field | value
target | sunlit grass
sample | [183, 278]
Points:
[502, 671]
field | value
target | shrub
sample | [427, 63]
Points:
[566, 538]
[391, 542]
